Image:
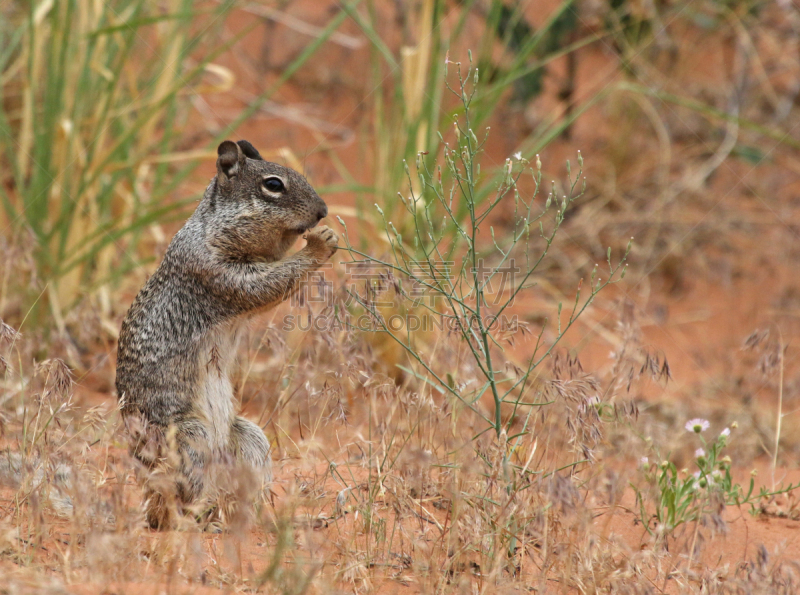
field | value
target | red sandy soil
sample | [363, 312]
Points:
[247, 559]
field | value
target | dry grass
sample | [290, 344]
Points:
[380, 486]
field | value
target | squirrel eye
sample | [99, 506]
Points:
[273, 184]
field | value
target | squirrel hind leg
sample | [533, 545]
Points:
[251, 448]
[178, 481]
[192, 441]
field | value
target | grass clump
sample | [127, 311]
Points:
[93, 101]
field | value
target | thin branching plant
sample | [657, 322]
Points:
[467, 280]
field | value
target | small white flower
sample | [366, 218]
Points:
[699, 453]
[700, 481]
[697, 425]
[696, 482]
[518, 156]
[725, 433]
[644, 461]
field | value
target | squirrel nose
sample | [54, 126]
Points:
[322, 213]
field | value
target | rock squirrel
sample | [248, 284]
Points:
[178, 340]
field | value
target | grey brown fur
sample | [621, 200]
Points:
[227, 263]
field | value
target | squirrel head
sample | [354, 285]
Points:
[257, 209]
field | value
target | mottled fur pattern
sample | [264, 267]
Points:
[178, 341]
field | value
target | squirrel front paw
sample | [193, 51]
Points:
[322, 241]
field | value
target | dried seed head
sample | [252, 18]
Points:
[8, 333]
[58, 379]
[756, 338]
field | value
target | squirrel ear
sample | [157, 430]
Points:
[249, 150]
[229, 160]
